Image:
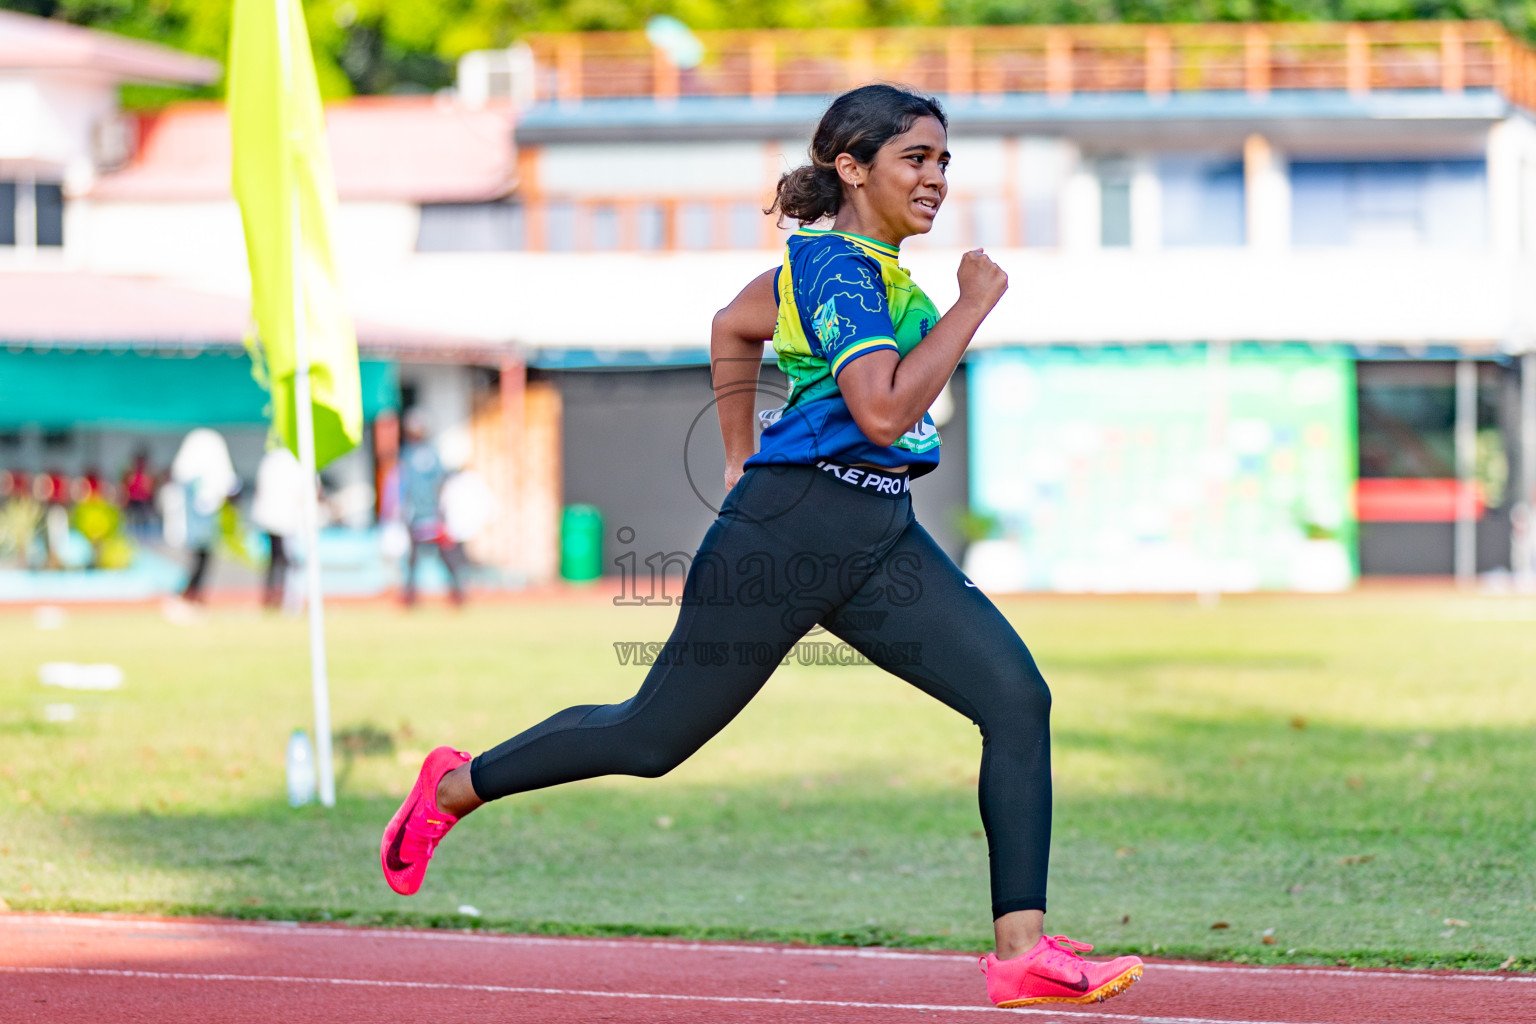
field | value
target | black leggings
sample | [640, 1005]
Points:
[794, 547]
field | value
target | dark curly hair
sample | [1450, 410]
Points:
[858, 123]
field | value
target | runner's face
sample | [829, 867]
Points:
[906, 183]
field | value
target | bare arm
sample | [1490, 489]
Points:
[735, 358]
[887, 393]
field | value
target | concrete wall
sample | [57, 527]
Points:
[644, 447]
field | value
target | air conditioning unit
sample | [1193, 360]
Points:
[114, 140]
[492, 76]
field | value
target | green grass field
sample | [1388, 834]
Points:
[1349, 777]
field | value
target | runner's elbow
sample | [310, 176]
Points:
[880, 426]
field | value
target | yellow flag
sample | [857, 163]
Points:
[280, 160]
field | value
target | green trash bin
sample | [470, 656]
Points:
[581, 543]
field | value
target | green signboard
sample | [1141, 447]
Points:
[1187, 469]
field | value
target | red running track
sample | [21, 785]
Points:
[66, 969]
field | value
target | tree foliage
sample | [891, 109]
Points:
[393, 46]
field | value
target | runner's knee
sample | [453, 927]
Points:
[1020, 703]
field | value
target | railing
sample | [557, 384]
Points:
[1158, 60]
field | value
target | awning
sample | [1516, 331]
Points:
[59, 389]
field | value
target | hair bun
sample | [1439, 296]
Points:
[858, 123]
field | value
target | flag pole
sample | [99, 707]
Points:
[319, 684]
[305, 415]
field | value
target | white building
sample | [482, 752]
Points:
[1353, 205]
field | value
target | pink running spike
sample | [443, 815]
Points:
[419, 825]
[1054, 971]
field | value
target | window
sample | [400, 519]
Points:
[651, 226]
[49, 207]
[1115, 203]
[1203, 201]
[1044, 164]
[604, 225]
[560, 226]
[1039, 221]
[1388, 204]
[472, 227]
[989, 222]
[34, 209]
[1407, 421]
[7, 213]
[695, 226]
[746, 226]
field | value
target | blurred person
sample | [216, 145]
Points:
[139, 495]
[52, 492]
[278, 511]
[419, 485]
[98, 519]
[205, 476]
[867, 354]
[468, 507]
[20, 516]
[49, 487]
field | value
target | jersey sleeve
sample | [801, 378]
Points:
[843, 298]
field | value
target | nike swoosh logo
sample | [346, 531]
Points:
[392, 858]
[969, 583]
[1081, 984]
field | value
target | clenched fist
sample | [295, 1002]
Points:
[981, 281]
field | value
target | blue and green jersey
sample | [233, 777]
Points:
[841, 296]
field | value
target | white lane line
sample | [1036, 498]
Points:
[1386, 973]
[291, 928]
[595, 994]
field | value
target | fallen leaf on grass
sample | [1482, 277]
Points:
[1298, 722]
[1355, 782]
[1269, 940]
[1125, 919]
[1456, 922]
[1507, 964]
[1219, 926]
[1125, 851]
[1359, 858]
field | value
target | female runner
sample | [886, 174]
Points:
[817, 528]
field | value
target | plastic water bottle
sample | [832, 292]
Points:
[301, 769]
